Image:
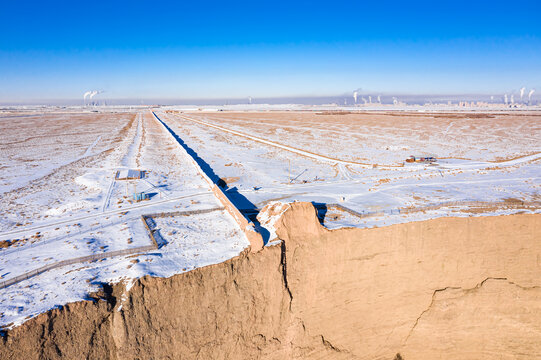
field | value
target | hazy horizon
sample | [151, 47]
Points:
[341, 99]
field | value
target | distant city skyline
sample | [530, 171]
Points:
[133, 50]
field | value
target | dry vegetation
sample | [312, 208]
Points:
[43, 154]
[358, 136]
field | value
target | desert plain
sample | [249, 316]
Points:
[363, 254]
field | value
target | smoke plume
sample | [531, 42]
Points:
[94, 93]
[530, 95]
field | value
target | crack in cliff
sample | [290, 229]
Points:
[243, 296]
[458, 288]
[283, 262]
[525, 287]
[328, 344]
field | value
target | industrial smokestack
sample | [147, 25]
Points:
[505, 99]
[370, 99]
[355, 94]
[379, 99]
[512, 98]
[90, 95]
[522, 90]
[364, 100]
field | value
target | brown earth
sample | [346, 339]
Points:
[5, 244]
[230, 180]
[448, 288]
[357, 136]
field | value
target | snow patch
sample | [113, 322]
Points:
[78, 205]
[90, 181]
[270, 214]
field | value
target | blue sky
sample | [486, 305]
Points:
[130, 49]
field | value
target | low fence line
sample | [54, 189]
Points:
[512, 205]
[247, 227]
[197, 166]
[93, 257]
[150, 232]
[82, 259]
[341, 207]
[188, 212]
[518, 204]
[77, 231]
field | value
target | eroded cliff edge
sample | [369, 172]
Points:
[443, 288]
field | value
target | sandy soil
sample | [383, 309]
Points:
[345, 293]
[420, 290]
[483, 137]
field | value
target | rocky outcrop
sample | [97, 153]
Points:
[444, 288]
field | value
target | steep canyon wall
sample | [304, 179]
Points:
[446, 288]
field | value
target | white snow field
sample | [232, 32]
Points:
[488, 164]
[79, 209]
[61, 201]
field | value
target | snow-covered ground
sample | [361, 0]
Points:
[80, 209]
[60, 199]
[37, 145]
[389, 138]
[264, 162]
[192, 241]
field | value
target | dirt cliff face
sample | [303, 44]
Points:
[457, 288]
[444, 288]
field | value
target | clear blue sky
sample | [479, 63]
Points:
[206, 49]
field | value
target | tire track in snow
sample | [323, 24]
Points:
[344, 172]
[107, 213]
[292, 149]
[89, 149]
[127, 160]
[108, 195]
[474, 166]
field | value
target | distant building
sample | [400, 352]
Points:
[421, 159]
[140, 196]
[130, 174]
